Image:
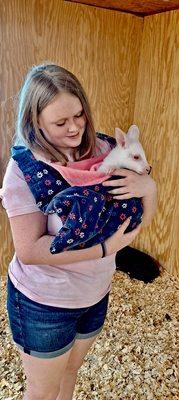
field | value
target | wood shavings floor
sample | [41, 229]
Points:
[135, 356]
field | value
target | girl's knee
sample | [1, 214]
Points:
[72, 369]
[43, 376]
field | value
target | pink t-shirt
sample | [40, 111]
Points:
[60, 286]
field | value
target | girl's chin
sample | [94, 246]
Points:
[72, 142]
[75, 140]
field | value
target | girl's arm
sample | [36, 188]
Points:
[135, 185]
[149, 202]
[32, 243]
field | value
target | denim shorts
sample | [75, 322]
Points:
[45, 331]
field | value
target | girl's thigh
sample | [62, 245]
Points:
[39, 330]
[78, 352]
[44, 375]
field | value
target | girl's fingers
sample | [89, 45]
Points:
[124, 225]
[116, 182]
[132, 234]
[121, 190]
[123, 172]
[123, 196]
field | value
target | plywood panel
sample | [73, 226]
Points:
[138, 7]
[101, 47]
[6, 249]
[156, 112]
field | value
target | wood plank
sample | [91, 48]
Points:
[156, 112]
[137, 7]
[6, 248]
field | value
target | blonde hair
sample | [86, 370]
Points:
[41, 85]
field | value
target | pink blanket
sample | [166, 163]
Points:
[85, 172]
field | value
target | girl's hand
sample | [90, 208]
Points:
[131, 185]
[120, 239]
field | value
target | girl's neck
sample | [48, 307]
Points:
[69, 153]
[41, 156]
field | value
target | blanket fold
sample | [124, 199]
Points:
[78, 172]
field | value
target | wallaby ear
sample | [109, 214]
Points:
[133, 133]
[120, 137]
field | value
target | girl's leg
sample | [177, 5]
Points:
[88, 327]
[43, 375]
[78, 352]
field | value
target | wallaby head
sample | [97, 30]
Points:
[128, 153]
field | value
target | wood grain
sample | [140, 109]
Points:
[156, 112]
[7, 248]
[137, 7]
[100, 47]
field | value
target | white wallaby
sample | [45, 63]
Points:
[128, 153]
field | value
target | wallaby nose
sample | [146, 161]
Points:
[149, 169]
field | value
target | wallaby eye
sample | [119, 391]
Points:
[136, 157]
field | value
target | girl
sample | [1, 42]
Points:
[57, 303]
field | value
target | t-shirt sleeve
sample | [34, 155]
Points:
[16, 196]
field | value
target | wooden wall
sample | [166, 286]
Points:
[128, 67]
[101, 47]
[156, 112]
